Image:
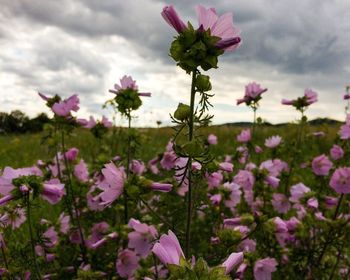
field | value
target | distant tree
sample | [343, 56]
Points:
[37, 124]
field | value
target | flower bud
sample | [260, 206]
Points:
[203, 83]
[182, 112]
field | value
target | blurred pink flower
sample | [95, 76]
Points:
[161, 187]
[263, 268]
[253, 92]
[53, 191]
[233, 260]
[280, 203]
[321, 165]
[336, 152]
[63, 108]
[141, 238]
[127, 263]
[212, 139]
[81, 172]
[298, 191]
[273, 141]
[340, 180]
[244, 136]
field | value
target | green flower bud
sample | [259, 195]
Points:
[192, 148]
[247, 219]
[182, 112]
[203, 83]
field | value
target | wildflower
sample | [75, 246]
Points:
[63, 108]
[340, 180]
[244, 136]
[263, 268]
[321, 165]
[212, 139]
[141, 238]
[273, 141]
[168, 249]
[81, 172]
[127, 263]
[336, 152]
[298, 191]
[112, 183]
[53, 191]
[161, 187]
[253, 92]
[233, 260]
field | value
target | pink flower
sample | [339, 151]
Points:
[273, 141]
[71, 154]
[340, 180]
[172, 18]
[253, 92]
[64, 223]
[6, 199]
[298, 191]
[312, 203]
[344, 132]
[127, 83]
[51, 237]
[263, 268]
[112, 183]
[212, 139]
[280, 203]
[141, 238]
[64, 108]
[347, 96]
[221, 27]
[311, 96]
[336, 152]
[287, 102]
[321, 165]
[168, 160]
[106, 123]
[235, 194]
[161, 187]
[15, 218]
[233, 260]
[98, 231]
[53, 191]
[137, 167]
[226, 166]
[216, 199]
[87, 123]
[168, 249]
[244, 136]
[214, 179]
[127, 263]
[81, 172]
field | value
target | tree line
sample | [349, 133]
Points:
[18, 122]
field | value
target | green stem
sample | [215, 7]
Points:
[128, 159]
[72, 198]
[189, 165]
[254, 122]
[29, 219]
[4, 256]
[330, 233]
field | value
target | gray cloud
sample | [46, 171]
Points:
[82, 45]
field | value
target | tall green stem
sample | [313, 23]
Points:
[32, 244]
[189, 165]
[4, 255]
[128, 159]
[72, 198]
[330, 232]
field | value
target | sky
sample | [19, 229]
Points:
[86, 46]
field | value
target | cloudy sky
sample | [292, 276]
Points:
[85, 46]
